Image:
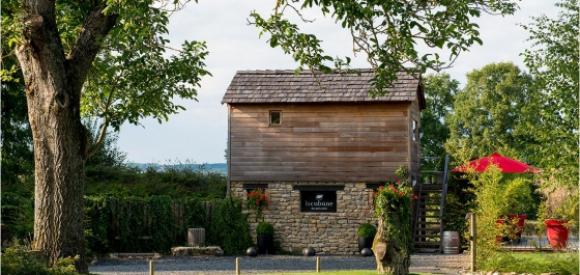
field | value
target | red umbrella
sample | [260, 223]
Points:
[505, 164]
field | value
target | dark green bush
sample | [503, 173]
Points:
[156, 223]
[177, 183]
[228, 226]
[366, 230]
[265, 228]
[18, 260]
[17, 215]
[532, 263]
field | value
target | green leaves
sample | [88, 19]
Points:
[492, 113]
[136, 74]
[553, 62]
[136, 77]
[440, 91]
[304, 48]
[389, 32]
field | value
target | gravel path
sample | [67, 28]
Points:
[262, 264]
[225, 265]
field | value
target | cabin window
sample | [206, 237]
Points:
[415, 130]
[275, 118]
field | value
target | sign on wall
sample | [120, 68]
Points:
[318, 201]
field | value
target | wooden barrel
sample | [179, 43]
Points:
[451, 242]
[196, 236]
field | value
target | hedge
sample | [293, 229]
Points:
[155, 224]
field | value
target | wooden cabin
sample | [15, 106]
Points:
[319, 140]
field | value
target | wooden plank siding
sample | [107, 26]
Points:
[330, 142]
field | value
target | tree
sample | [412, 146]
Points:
[492, 114]
[66, 75]
[553, 63]
[440, 91]
[388, 32]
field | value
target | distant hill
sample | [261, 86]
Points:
[221, 168]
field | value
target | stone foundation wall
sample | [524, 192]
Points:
[328, 233]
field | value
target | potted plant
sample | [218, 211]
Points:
[557, 233]
[366, 234]
[518, 201]
[265, 238]
[559, 208]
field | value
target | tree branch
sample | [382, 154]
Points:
[103, 128]
[100, 138]
[95, 28]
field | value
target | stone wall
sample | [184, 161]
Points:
[328, 233]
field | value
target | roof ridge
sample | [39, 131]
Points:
[292, 71]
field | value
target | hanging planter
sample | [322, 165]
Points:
[557, 233]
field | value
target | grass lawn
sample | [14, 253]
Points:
[344, 272]
[532, 262]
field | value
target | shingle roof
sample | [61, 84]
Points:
[285, 86]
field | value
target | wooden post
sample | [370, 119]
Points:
[472, 240]
[237, 266]
[317, 264]
[151, 267]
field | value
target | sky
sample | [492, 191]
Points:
[198, 134]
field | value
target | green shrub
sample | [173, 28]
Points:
[229, 227]
[265, 228]
[532, 263]
[18, 260]
[490, 205]
[177, 183]
[156, 223]
[366, 230]
[17, 215]
[518, 196]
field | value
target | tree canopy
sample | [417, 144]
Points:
[440, 91]
[136, 74]
[389, 33]
[492, 113]
[554, 64]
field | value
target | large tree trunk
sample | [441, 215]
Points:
[391, 255]
[59, 146]
[59, 184]
[53, 89]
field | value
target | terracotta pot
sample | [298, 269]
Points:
[557, 233]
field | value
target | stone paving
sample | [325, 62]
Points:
[440, 264]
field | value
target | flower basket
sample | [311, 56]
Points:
[258, 201]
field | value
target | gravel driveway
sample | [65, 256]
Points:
[225, 265]
[267, 264]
